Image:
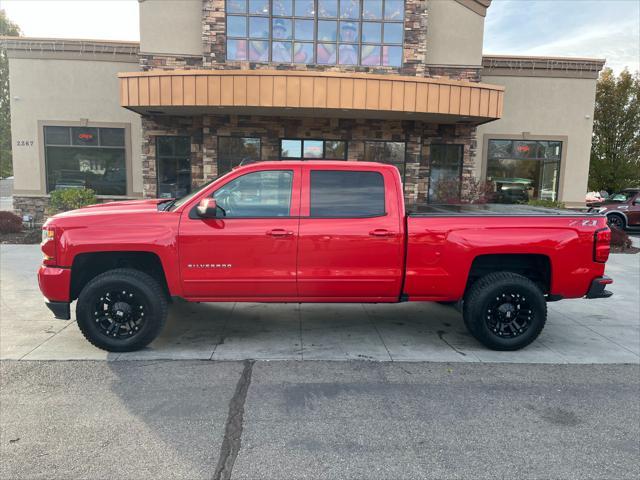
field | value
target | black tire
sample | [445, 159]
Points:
[615, 220]
[505, 311]
[121, 310]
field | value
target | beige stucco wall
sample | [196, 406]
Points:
[172, 27]
[542, 106]
[455, 34]
[65, 91]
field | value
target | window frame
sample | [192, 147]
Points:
[128, 162]
[315, 42]
[193, 215]
[403, 174]
[324, 149]
[460, 169]
[560, 161]
[219, 137]
[172, 157]
[329, 170]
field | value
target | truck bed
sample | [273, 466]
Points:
[445, 242]
[490, 210]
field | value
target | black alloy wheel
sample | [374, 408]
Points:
[119, 313]
[505, 311]
[509, 315]
[121, 310]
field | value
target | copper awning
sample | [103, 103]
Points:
[336, 94]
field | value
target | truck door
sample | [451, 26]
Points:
[633, 214]
[351, 235]
[250, 252]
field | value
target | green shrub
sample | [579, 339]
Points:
[10, 223]
[72, 198]
[545, 203]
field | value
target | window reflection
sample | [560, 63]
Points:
[235, 151]
[386, 152]
[259, 194]
[347, 32]
[85, 157]
[523, 170]
[445, 173]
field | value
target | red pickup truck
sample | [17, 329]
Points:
[292, 231]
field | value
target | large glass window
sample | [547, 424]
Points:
[445, 173]
[313, 149]
[173, 166]
[235, 151]
[86, 157]
[523, 170]
[346, 194]
[328, 32]
[259, 194]
[386, 152]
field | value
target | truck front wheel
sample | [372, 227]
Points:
[505, 311]
[121, 310]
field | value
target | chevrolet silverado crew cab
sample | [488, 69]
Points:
[294, 231]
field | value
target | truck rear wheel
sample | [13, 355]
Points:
[505, 311]
[121, 310]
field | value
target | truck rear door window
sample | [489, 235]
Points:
[346, 194]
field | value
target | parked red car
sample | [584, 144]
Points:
[317, 232]
[622, 209]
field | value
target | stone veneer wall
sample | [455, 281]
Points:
[204, 132]
[34, 206]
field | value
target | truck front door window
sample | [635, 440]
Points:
[258, 195]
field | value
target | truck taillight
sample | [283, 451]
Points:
[48, 246]
[602, 245]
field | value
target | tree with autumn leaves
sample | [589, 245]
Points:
[615, 150]
[7, 28]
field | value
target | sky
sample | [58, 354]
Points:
[581, 28]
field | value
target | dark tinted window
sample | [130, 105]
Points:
[346, 194]
[86, 157]
[234, 151]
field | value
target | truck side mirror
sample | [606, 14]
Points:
[207, 208]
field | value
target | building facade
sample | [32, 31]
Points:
[217, 83]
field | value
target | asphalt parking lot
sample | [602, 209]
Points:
[578, 331]
[331, 420]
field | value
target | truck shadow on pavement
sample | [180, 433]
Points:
[239, 331]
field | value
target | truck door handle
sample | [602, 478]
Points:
[279, 232]
[381, 232]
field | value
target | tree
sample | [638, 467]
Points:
[7, 28]
[615, 150]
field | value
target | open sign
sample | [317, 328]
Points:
[85, 136]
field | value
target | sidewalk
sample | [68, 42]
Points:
[578, 331]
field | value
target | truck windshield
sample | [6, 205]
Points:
[173, 204]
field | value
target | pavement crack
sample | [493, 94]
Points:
[441, 337]
[232, 440]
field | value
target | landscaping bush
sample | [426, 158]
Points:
[72, 198]
[545, 203]
[619, 238]
[10, 223]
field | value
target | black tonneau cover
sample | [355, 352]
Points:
[490, 210]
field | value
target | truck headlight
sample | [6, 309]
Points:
[47, 234]
[48, 246]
